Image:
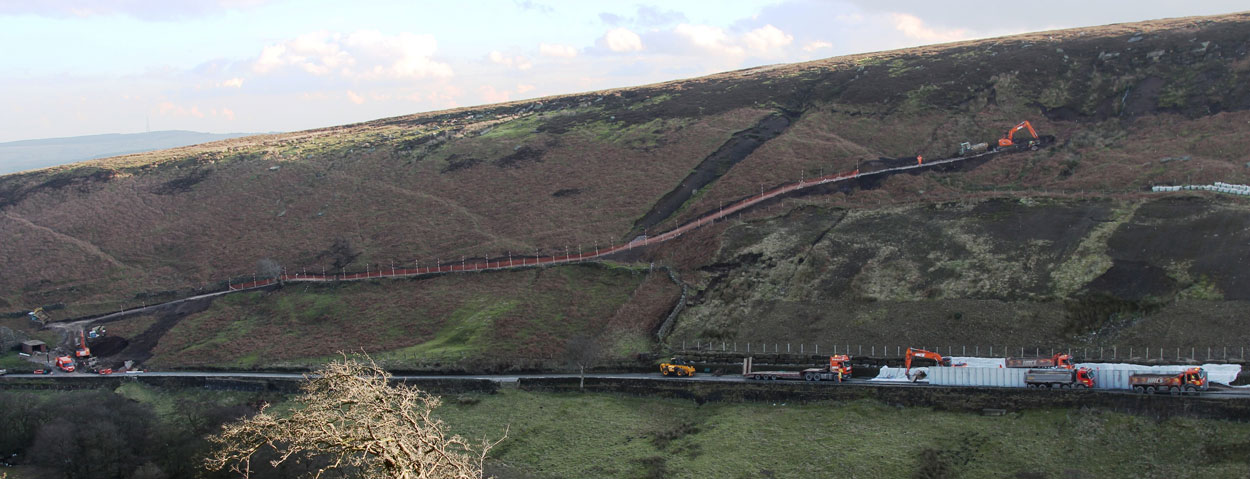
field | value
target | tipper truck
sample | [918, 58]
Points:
[1057, 361]
[1191, 381]
[1059, 378]
[839, 368]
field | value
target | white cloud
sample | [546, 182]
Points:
[235, 82]
[518, 62]
[914, 27]
[363, 54]
[354, 98]
[766, 38]
[708, 38]
[562, 51]
[522, 88]
[622, 40]
[817, 45]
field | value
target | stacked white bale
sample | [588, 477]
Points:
[993, 377]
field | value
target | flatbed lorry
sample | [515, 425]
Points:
[839, 369]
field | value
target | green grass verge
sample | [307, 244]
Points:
[11, 360]
[597, 435]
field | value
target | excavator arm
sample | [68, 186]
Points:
[913, 353]
[1009, 138]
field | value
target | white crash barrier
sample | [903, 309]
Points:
[972, 376]
[988, 372]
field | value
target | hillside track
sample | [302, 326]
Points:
[642, 241]
[465, 266]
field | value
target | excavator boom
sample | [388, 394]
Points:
[1009, 138]
[920, 353]
[83, 351]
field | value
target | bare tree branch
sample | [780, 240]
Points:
[349, 415]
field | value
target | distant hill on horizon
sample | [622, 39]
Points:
[16, 156]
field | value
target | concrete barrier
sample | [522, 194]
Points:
[994, 377]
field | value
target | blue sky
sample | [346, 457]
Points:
[77, 67]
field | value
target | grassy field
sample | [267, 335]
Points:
[600, 435]
[596, 435]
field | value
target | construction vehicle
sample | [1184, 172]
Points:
[66, 363]
[97, 332]
[1059, 378]
[968, 147]
[1008, 139]
[839, 369]
[83, 351]
[913, 353]
[39, 315]
[677, 367]
[1190, 381]
[1059, 360]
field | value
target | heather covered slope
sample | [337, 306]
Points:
[599, 168]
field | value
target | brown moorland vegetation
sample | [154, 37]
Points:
[538, 176]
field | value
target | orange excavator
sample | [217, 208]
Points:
[83, 351]
[913, 353]
[1008, 140]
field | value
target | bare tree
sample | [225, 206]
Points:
[583, 351]
[349, 415]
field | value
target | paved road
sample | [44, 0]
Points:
[1217, 392]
